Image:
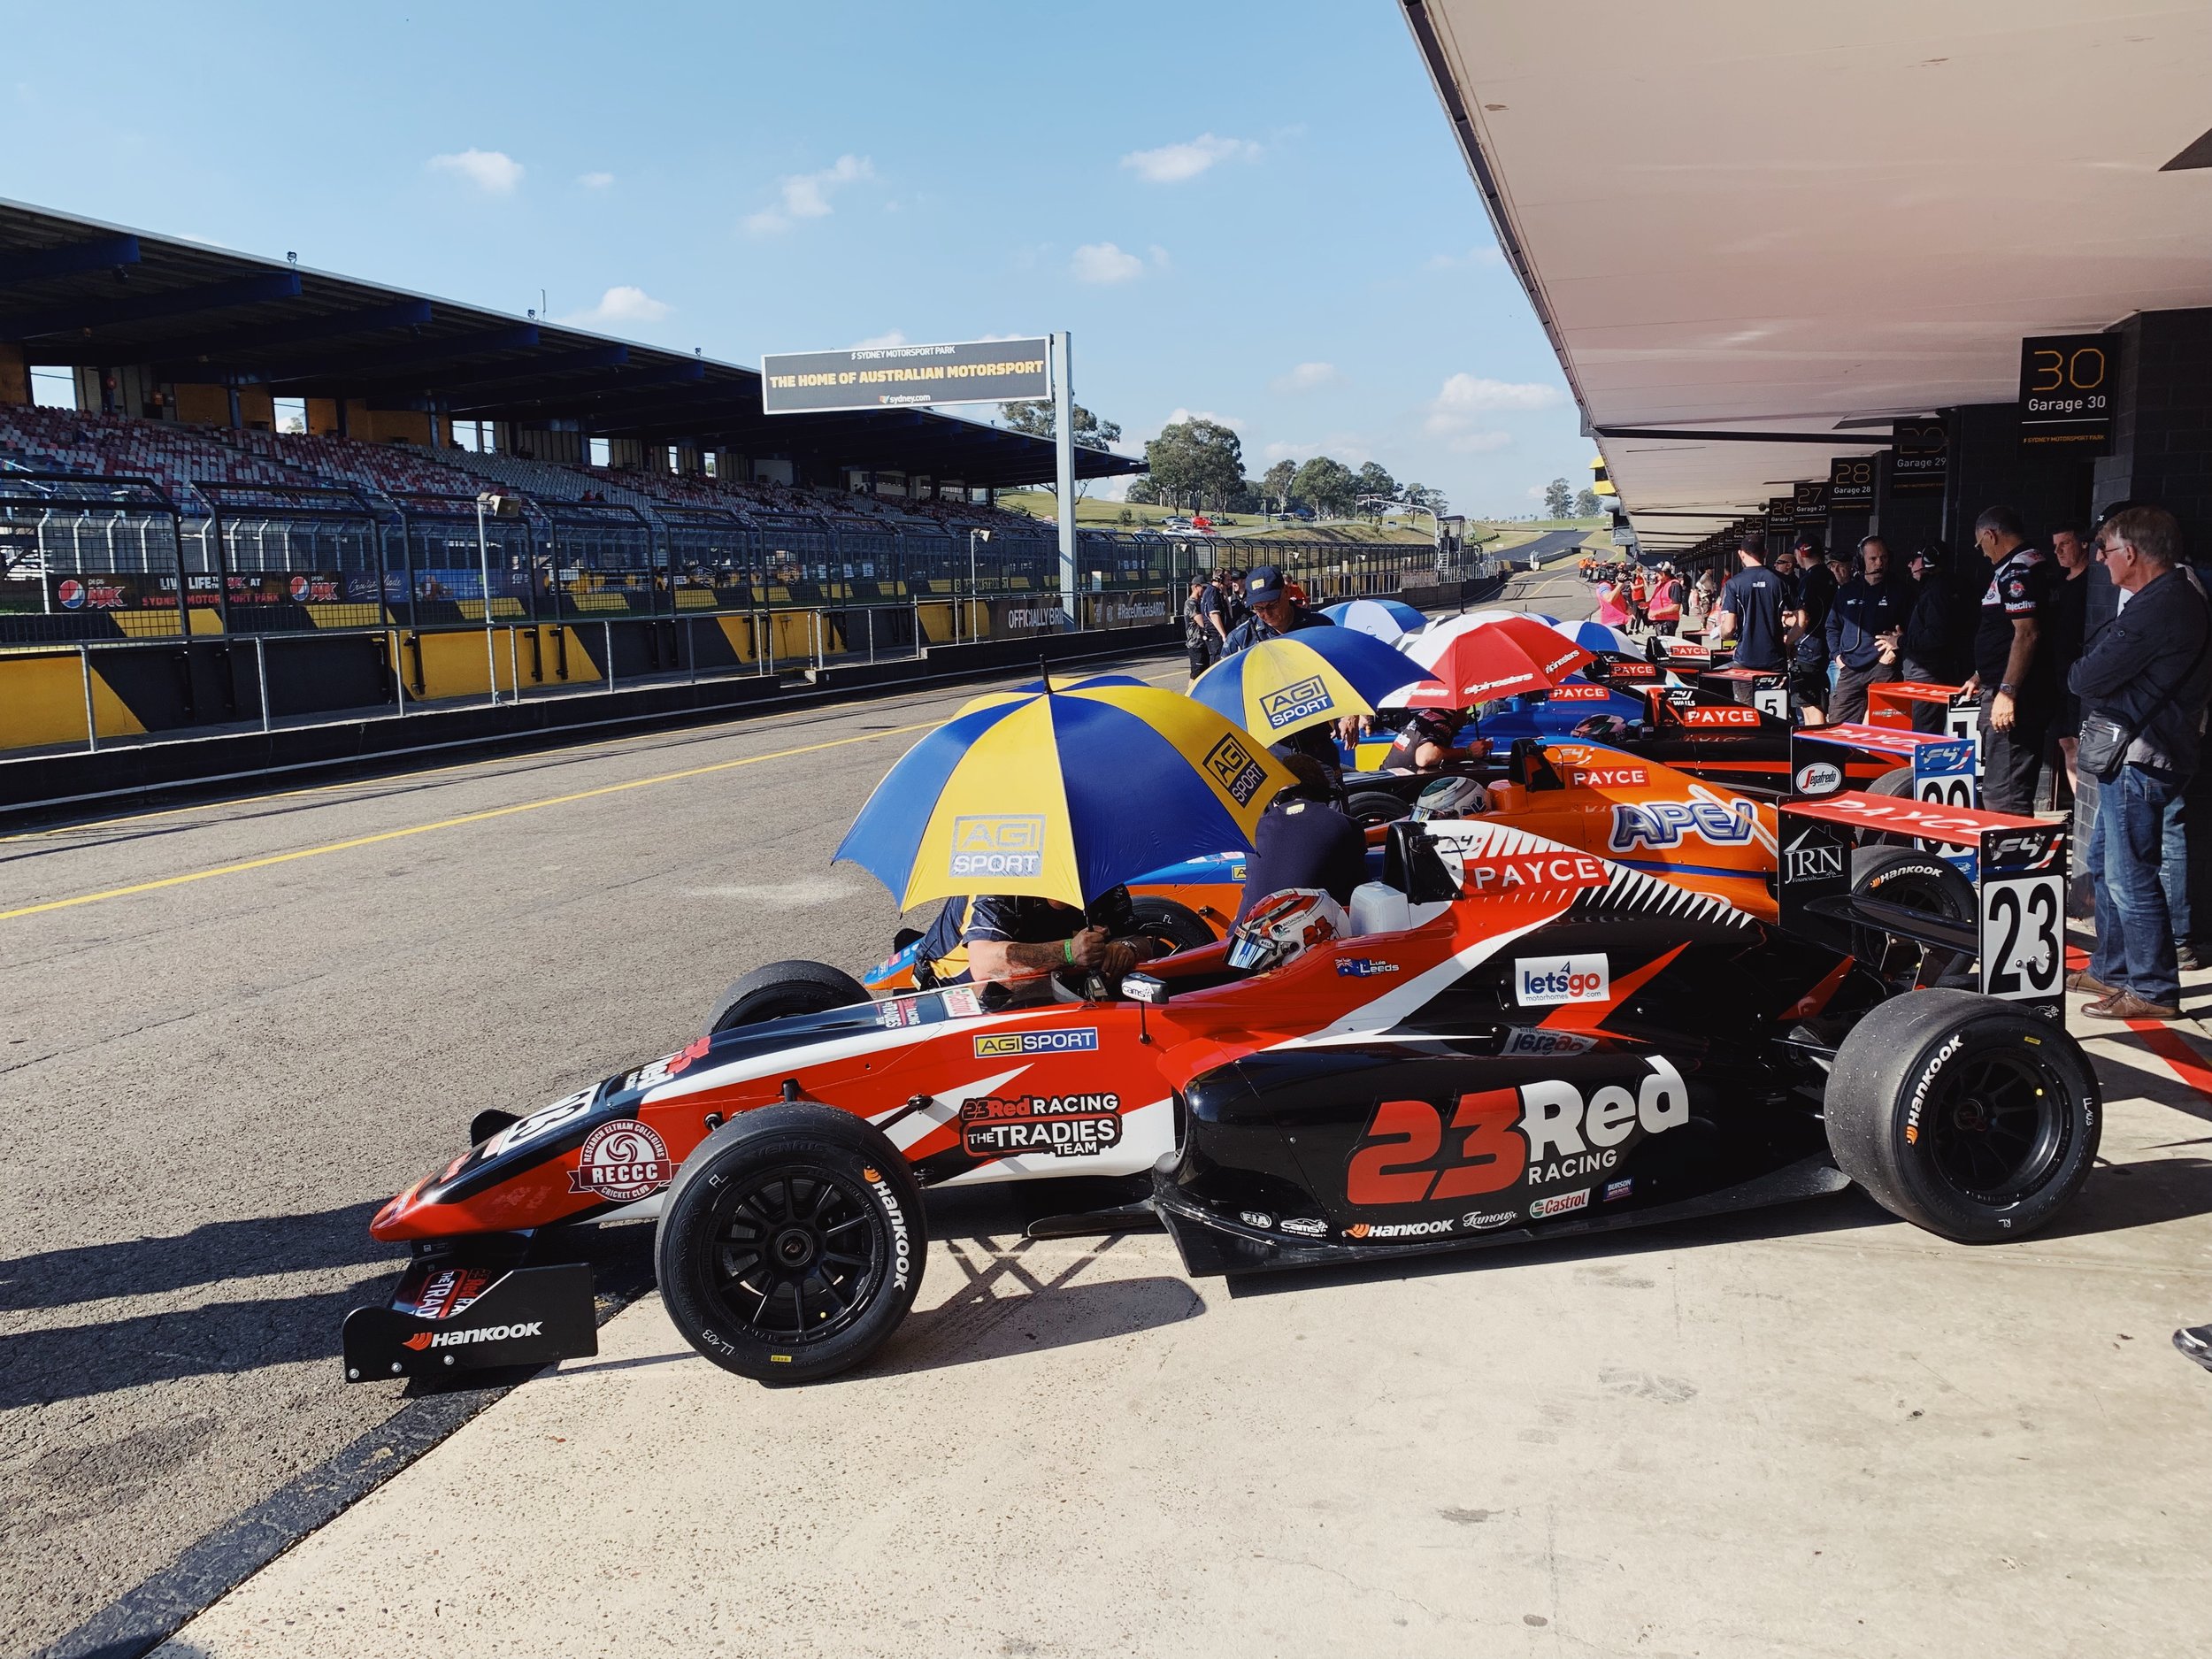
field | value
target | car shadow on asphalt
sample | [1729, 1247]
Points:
[245, 1249]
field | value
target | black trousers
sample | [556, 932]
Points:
[2012, 763]
[1926, 716]
[1848, 701]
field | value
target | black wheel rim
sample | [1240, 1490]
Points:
[798, 1253]
[1994, 1125]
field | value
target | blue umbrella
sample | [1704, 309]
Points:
[1306, 678]
[1597, 636]
[1388, 620]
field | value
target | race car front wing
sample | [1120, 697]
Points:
[448, 1316]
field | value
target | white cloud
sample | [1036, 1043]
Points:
[1172, 163]
[1103, 262]
[1285, 452]
[1307, 377]
[1181, 416]
[1348, 447]
[1472, 257]
[1453, 411]
[1479, 442]
[807, 195]
[595, 181]
[877, 343]
[1159, 257]
[488, 170]
[622, 305]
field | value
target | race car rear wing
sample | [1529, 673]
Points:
[1765, 689]
[2018, 930]
[1942, 767]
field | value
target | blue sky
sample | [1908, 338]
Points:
[1256, 212]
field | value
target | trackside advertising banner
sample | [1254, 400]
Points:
[879, 377]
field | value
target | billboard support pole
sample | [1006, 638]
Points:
[1064, 466]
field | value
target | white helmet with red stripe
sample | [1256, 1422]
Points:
[1282, 925]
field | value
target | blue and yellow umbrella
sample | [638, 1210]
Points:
[1308, 678]
[1062, 793]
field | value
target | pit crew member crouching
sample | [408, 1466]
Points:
[1426, 743]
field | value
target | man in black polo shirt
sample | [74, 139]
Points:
[1864, 628]
[1816, 587]
[2011, 673]
[1749, 609]
[997, 936]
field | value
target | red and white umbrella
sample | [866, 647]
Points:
[1482, 659]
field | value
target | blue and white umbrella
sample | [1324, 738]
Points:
[1597, 636]
[1388, 620]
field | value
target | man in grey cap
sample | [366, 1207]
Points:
[1273, 611]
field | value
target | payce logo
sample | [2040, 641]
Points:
[998, 846]
[1307, 697]
[1541, 980]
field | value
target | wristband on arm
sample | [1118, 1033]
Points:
[1067, 950]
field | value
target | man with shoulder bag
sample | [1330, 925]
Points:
[2143, 688]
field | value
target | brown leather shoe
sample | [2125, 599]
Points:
[2079, 980]
[2127, 1005]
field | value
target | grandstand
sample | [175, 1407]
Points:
[636, 471]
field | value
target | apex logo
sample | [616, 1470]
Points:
[1663, 824]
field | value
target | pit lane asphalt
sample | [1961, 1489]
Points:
[232, 1030]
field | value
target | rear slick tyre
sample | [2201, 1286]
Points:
[1369, 807]
[791, 1244]
[1969, 1117]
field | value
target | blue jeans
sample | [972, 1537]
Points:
[2135, 936]
[2173, 872]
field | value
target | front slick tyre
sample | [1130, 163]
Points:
[1964, 1115]
[791, 1243]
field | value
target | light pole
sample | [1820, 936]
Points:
[499, 506]
[973, 536]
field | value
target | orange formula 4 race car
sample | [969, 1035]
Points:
[1506, 1037]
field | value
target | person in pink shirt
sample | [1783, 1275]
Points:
[1612, 611]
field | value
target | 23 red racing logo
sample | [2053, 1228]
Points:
[1066, 1125]
[1536, 1133]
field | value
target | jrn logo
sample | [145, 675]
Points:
[1662, 823]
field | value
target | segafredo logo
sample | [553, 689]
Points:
[1819, 777]
[422, 1339]
[1295, 703]
[1663, 824]
[1540, 979]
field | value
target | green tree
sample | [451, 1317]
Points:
[1559, 498]
[1198, 461]
[1276, 484]
[1588, 505]
[1422, 496]
[1375, 479]
[1328, 485]
[1035, 416]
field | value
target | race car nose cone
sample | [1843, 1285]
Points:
[794, 1247]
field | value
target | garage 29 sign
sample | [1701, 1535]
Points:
[2065, 401]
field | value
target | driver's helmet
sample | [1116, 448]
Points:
[1607, 728]
[1452, 797]
[1282, 925]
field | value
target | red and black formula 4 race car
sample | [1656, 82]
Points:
[1504, 1038]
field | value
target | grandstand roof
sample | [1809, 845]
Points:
[76, 291]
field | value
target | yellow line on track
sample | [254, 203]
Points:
[453, 823]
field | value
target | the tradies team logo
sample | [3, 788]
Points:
[1066, 1125]
[1002, 1045]
[1232, 766]
[450, 1291]
[998, 846]
[622, 1162]
[1663, 824]
[1538, 980]
[1295, 703]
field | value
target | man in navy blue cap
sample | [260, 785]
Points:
[1274, 613]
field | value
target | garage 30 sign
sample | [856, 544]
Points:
[2064, 400]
